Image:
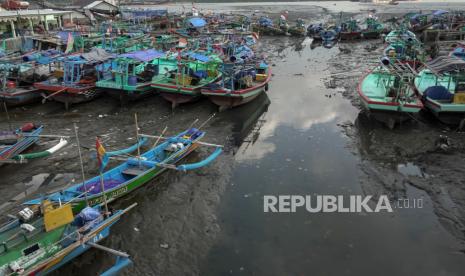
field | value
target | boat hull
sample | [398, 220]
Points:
[177, 99]
[371, 34]
[350, 35]
[125, 96]
[227, 100]
[385, 111]
[71, 94]
[21, 97]
[132, 185]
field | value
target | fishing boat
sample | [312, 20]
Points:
[299, 28]
[13, 143]
[330, 34]
[401, 35]
[388, 94]
[129, 76]
[350, 30]
[133, 173]
[442, 86]
[240, 84]
[181, 79]
[39, 242]
[314, 31]
[75, 82]
[373, 29]
[265, 26]
[410, 51]
[12, 91]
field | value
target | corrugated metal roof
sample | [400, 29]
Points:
[13, 15]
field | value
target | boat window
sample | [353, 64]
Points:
[31, 249]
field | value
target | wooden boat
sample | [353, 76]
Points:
[12, 91]
[350, 30]
[373, 29]
[401, 35]
[129, 76]
[388, 97]
[15, 142]
[133, 173]
[76, 82]
[239, 84]
[409, 52]
[442, 86]
[265, 26]
[329, 34]
[299, 28]
[314, 31]
[181, 80]
[37, 243]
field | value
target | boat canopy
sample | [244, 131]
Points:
[97, 55]
[197, 22]
[198, 56]
[440, 12]
[144, 56]
[446, 64]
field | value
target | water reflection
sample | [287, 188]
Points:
[300, 150]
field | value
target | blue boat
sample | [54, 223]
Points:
[133, 173]
[15, 142]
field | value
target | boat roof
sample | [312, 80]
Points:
[144, 55]
[445, 64]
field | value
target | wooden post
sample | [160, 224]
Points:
[13, 31]
[102, 187]
[82, 165]
[137, 137]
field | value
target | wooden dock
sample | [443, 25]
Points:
[442, 35]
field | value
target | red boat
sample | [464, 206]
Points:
[238, 88]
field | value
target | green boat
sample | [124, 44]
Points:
[442, 86]
[387, 93]
[133, 173]
[373, 29]
[401, 34]
[128, 76]
[298, 29]
[41, 241]
[180, 80]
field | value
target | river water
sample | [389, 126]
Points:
[304, 137]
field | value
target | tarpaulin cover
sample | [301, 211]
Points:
[439, 12]
[96, 55]
[438, 93]
[198, 57]
[459, 52]
[95, 187]
[265, 22]
[197, 22]
[89, 214]
[145, 55]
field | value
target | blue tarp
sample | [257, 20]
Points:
[197, 22]
[198, 57]
[439, 12]
[438, 93]
[265, 22]
[459, 52]
[146, 55]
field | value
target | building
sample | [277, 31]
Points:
[14, 23]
